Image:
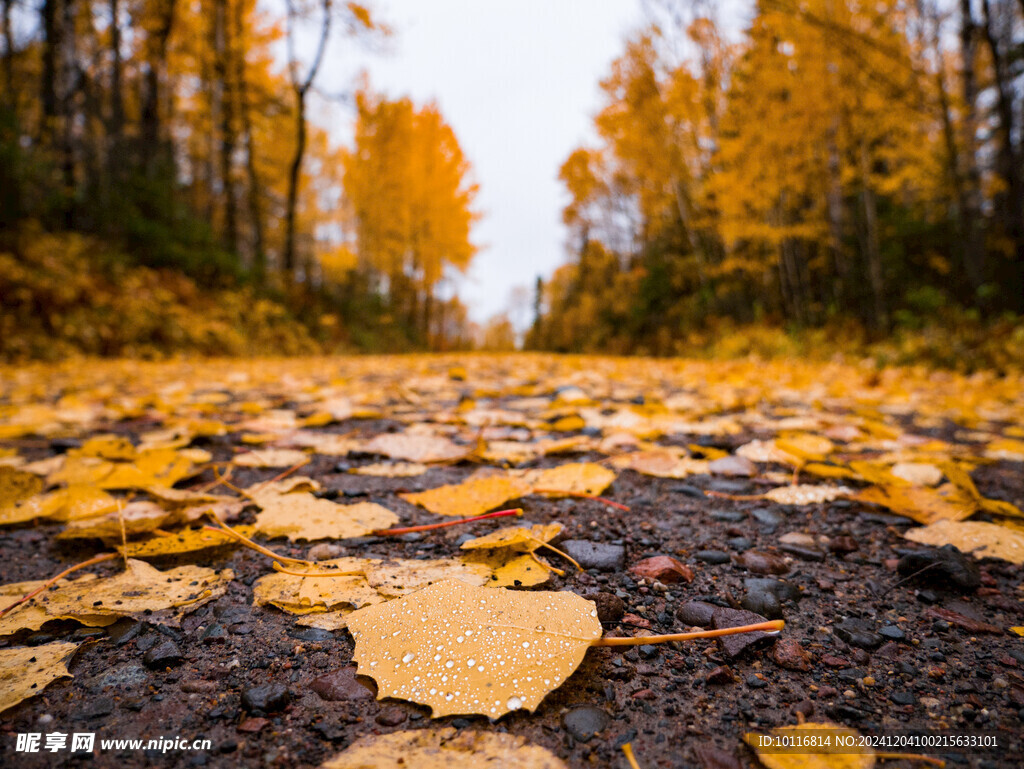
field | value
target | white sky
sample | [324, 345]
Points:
[518, 82]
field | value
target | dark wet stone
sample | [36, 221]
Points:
[765, 604]
[242, 629]
[216, 633]
[784, 591]
[649, 651]
[903, 698]
[802, 552]
[943, 567]
[38, 639]
[756, 683]
[163, 655]
[340, 685]
[843, 544]
[739, 543]
[687, 490]
[595, 555]
[391, 717]
[311, 634]
[728, 516]
[267, 698]
[734, 645]
[97, 707]
[858, 632]
[712, 556]
[124, 630]
[762, 562]
[927, 596]
[728, 487]
[886, 519]
[696, 613]
[89, 632]
[892, 632]
[585, 722]
[610, 608]
[125, 675]
[766, 517]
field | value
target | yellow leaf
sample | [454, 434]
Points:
[26, 671]
[303, 516]
[542, 637]
[586, 478]
[446, 748]
[519, 538]
[921, 504]
[271, 458]
[391, 470]
[863, 759]
[106, 447]
[425, 449]
[805, 495]
[661, 463]
[471, 497]
[184, 541]
[17, 485]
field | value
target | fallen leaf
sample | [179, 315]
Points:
[391, 470]
[518, 538]
[921, 504]
[460, 649]
[17, 485]
[474, 496]
[184, 541]
[26, 671]
[917, 473]
[271, 458]
[425, 449]
[862, 759]
[583, 478]
[447, 748]
[302, 516]
[101, 601]
[982, 540]
[806, 495]
[399, 577]
[661, 463]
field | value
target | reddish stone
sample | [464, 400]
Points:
[789, 654]
[989, 591]
[252, 725]
[832, 661]
[711, 757]
[663, 568]
[645, 694]
[635, 621]
[958, 619]
[720, 675]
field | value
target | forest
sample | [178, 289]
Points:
[843, 164]
[166, 185]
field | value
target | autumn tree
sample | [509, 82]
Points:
[408, 187]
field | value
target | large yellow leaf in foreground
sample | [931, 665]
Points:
[444, 749]
[460, 649]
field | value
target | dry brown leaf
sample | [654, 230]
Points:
[460, 649]
[444, 749]
[474, 496]
[982, 540]
[26, 671]
[425, 449]
[303, 516]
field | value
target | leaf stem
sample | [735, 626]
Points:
[628, 750]
[94, 560]
[223, 527]
[771, 626]
[443, 524]
[579, 495]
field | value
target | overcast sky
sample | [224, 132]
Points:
[518, 82]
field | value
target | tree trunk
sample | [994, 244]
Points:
[153, 149]
[10, 87]
[223, 102]
[872, 250]
[294, 173]
[259, 253]
[116, 83]
[971, 203]
[51, 22]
